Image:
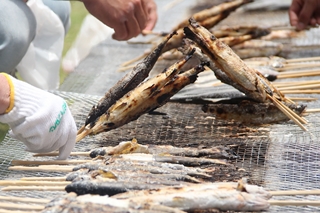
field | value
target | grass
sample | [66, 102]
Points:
[78, 13]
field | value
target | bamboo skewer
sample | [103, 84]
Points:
[295, 60]
[22, 207]
[34, 188]
[57, 153]
[299, 73]
[306, 91]
[294, 203]
[33, 183]
[299, 118]
[42, 169]
[52, 179]
[121, 69]
[311, 110]
[172, 4]
[18, 211]
[296, 66]
[293, 116]
[295, 192]
[303, 99]
[298, 87]
[127, 63]
[294, 83]
[54, 162]
[24, 199]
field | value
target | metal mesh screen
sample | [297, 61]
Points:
[277, 157]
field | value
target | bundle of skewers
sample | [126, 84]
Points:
[127, 166]
[125, 178]
[133, 96]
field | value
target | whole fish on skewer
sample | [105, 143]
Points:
[127, 83]
[148, 96]
[249, 113]
[237, 73]
[225, 196]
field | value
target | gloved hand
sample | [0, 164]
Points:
[41, 120]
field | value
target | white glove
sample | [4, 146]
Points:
[41, 120]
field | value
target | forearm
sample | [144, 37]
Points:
[4, 94]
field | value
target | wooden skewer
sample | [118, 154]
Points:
[301, 119]
[311, 110]
[127, 63]
[273, 28]
[34, 188]
[311, 86]
[19, 211]
[172, 4]
[296, 66]
[83, 134]
[57, 153]
[150, 32]
[21, 207]
[54, 162]
[298, 74]
[42, 169]
[302, 99]
[24, 199]
[295, 192]
[294, 203]
[295, 60]
[286, 112]
[33, 183]
[305, 91]
[300, 71]
[44, 178]
[129, 67]
[295, 83]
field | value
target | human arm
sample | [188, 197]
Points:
[304, 12]
[4, 94]
[41, 120]
[128, 18]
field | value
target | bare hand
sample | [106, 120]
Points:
[304, 12]
[128, 18]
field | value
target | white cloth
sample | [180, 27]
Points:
[41, 120]
[40, 66]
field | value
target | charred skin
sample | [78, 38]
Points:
[239, 74]
[207, 18]
[255, 31]
[127, 83]
[217, 10]
[174, 86]
[249, 113]
[105, 188]
[138, 101]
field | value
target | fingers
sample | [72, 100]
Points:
[141, 15]
[65, 150]
[134, 21]
[305, 16]
[294, 12]
[303, 13]
[152, 15]
[317, 17]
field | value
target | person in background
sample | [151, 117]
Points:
[304, 13]
[38, 118]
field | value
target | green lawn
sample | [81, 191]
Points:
[78, 12]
